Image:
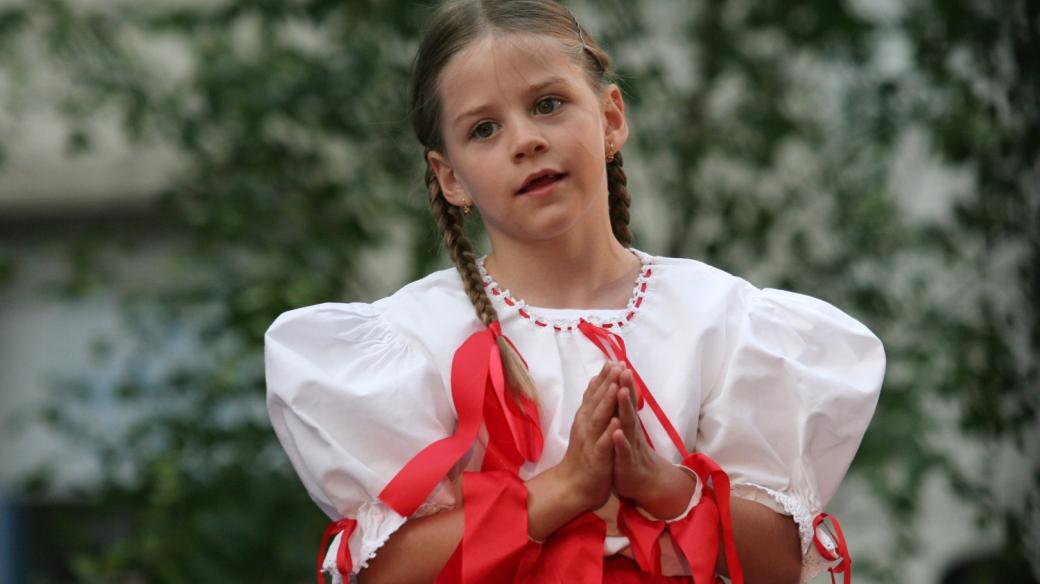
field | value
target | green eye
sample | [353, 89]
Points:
[548, 105]
[483, 130]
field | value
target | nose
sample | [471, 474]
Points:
[529, 141]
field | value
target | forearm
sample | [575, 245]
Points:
[429, 541]
[768, 544]
[425, 543]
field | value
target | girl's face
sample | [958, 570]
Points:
[525, 138]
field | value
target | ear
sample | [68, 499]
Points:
[615, 125]
[451, 186]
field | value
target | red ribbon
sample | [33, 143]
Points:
[842, 551]
[514, 431]
[344, 565]
[644, 535]
[715, 482]
[605, 339]
[573, 554]
[495, 538]
[697, 534]
[476, 373]
[514, 437]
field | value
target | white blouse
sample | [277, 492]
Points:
[776, 387]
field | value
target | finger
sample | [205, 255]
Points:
[627, 414]
[627, 379]
[602, 382]
[622, 448]
[605, 408]
[613, 374]
[605, 442]
[610, 377]
[595, 383]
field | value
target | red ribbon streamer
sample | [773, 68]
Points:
[513, 429]
[644, 535]
[715, 481]
[603, 339]
[573, 554]
[476, 373]
[697, 536]
[495, 534]
[694, 531]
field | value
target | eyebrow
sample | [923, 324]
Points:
[533, 89]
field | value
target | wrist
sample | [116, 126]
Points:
[669, 493]
[554, 497]
[569, 493]
[575, 494]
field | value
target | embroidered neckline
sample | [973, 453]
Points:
[607, 318]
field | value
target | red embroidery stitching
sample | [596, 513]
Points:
[634, 304]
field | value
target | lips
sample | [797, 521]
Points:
[540, 179]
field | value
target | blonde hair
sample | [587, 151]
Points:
[454, 26]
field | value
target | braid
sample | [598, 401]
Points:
[619, 200]
[449, 222]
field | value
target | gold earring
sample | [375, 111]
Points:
[610, 151]
[466, 207]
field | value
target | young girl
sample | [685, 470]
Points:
[566, 408]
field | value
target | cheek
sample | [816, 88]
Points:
[477, 185]
[587, 141]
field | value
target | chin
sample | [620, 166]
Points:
[544, 226]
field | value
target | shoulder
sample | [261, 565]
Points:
[354, 390]
[687, 291]
[434, 305]
[689, 276]
[732, 301]
[423, 314]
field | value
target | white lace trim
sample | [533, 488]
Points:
[812, 562]
[531, 314]
[781, 503]
[376, 523]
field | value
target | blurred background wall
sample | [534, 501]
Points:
[175, 174]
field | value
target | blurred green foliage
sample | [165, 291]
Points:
[767, 135]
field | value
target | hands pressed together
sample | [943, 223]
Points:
[608, 452]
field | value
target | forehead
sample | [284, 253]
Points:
[497, 66]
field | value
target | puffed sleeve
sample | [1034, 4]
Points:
[791, 404]
[351, 402]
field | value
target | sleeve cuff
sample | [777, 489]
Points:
[783, 503]
[812, 562]
[376, 523]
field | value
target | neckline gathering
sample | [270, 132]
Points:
[567, 319]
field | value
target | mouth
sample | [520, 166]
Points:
[540, 180]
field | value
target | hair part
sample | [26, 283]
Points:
[459, 23]
[454, 26]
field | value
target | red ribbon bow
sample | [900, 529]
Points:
[344, 565]
[842, 551]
